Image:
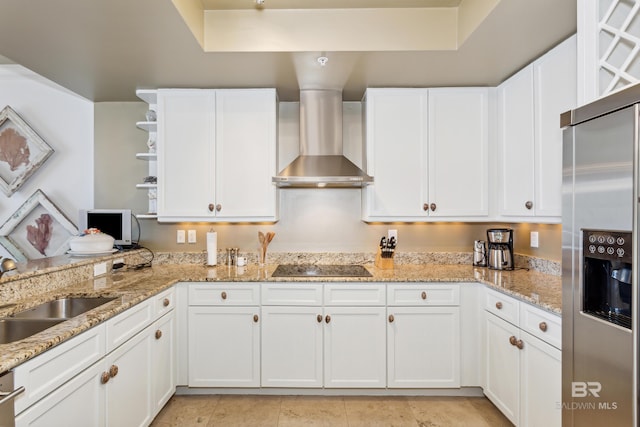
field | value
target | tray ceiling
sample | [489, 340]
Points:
[105, 50]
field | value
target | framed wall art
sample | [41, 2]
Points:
[38, 229]
[22, 151]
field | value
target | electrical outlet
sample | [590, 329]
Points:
[392, 233]
[180, 238]
[534, 239]
[99, 269]
[191, 236]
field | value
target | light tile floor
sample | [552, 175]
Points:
[350, 411]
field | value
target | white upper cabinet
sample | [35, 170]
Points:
[458, 152]
[246, 122]
[427, 150]
[530, 138]
[186, 153]
[396, 147]
[216, 155]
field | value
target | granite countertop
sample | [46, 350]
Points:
[132, 287]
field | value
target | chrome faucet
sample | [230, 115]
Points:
[7, 264]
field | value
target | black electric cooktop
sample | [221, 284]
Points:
[310, 270]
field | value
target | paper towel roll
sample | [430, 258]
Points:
[212, 248]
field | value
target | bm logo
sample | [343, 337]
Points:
[584, 389]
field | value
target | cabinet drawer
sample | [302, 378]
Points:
[541, 324]
[224, 294]
[48, 371]
[502, 306]
[300, 294]
[354, 294]
[164, 302]
[127, 324]
[415, 294]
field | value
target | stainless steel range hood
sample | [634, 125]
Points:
[321, 162]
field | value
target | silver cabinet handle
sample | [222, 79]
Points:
[8, 395]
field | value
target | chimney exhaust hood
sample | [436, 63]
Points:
[321, 162]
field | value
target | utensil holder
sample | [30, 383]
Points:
[383, 263]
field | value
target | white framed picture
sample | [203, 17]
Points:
[38, 229]
[22, 151]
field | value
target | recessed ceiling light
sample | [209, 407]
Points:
[322, 60]
[259, 2]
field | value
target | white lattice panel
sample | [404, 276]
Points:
[618, 42]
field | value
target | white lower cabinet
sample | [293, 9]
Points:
[423, 336]
[423, 348]
[224, 347]
[292, 346]
[355, 347]
[523, 372]
[540, 383]
[128, 384]
[77, 403]
[340, 345]
[502, 381]
[124, 387]
[163, 361]
[224, 335]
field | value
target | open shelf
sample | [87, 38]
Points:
[147, 156]
[147, 216]
[150, 96]
[148, 126]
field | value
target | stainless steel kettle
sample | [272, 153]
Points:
[479, 253]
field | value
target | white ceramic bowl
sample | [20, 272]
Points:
[99, 242]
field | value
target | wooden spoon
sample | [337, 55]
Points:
[270, 236]
[261, 237]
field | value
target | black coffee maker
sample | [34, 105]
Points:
[500, 251]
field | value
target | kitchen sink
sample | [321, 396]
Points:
[63, 308]
[13, 329]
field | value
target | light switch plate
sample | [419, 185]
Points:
[180, 237]
[534, 239]
[191, 236]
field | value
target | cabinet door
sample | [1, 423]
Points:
[516, 144]
[292, 346]
[163, 361]
[77, 403]
[502, 367]
[246, 153]
[458, 152]
[555, 92]
[129, 388]
[186, 153]
[541, 383]
[423, 348]
[224, 347]
[354, 347]
[396, 147]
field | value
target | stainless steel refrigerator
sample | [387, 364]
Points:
[600, 261]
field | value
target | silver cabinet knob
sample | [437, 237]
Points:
[218, 207]
[425, 207]
[433, 207]
[528, 204]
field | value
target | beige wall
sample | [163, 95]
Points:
[311, 220]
